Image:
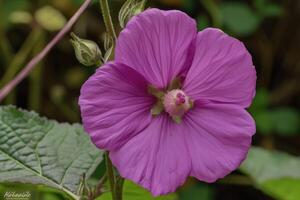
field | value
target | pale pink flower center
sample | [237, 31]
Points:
[176, 103]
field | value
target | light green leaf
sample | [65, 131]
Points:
[40, 151]
[50, 18]
[276, 173]
[283, 189]
[131, 191]
[21, 17]
[239, 18]
[8, 6]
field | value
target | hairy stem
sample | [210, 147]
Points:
[107, 19]
[119, 187]
[30, 66]
[111, 176]
[116, 182]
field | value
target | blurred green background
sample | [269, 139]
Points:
[269, 28]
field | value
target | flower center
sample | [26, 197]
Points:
[176, 103]
[173, 101]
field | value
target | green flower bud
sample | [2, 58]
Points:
[129, 9]
[87, 52]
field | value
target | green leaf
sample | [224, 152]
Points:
[282, 121]
[239, 18]
[36, 191]
[283, 189]
[131, 191]
[202, 22]
[8, 6]
[276, 173]
[267, 9]
[261, 100]
[40, 151]
[21, 17]
[45, 13]
[272, 10]
[198, 191]
[259, 4]
[264, 123]
[286, 121]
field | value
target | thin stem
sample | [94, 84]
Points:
[119, 188]
[107, 19]
[35, 79]
[110, 175]
[30, 66]
[116, 183]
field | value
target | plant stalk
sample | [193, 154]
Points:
[35, 79]
[111, 176]
[107, 19]
[116, 182]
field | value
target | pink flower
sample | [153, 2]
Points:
[172, 104]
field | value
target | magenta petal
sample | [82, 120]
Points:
[157, 44]
[218, 137]
[114, 105]
[157, 158]
[222, 70]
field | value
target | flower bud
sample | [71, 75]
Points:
[87, 52]
[129, 9]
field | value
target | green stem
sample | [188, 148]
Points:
[119, 188]
[107, 19]
[35, 79]
[35, 82]
[110, 175]
[116, 183]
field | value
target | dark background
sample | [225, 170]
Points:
[270, 30]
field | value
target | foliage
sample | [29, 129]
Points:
[40, 151]
[260, 24]
[239, 18]
[283, 121]
[275, 173]
[131, 191]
